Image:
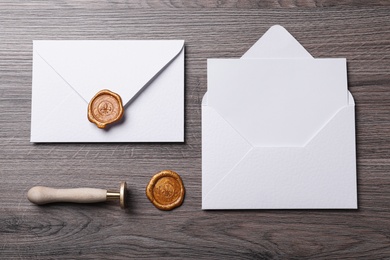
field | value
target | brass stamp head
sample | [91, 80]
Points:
[166, 190]
[105, 108]
[118, 195]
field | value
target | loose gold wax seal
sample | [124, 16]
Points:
[105, 108]
[166, 190]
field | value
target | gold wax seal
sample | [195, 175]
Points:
[105, 108]
[166, 190]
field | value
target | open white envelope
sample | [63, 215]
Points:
[148, 75]
[278, 130]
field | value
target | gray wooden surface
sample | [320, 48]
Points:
[357, 30]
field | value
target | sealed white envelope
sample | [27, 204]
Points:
[278, 130]
[148, 75]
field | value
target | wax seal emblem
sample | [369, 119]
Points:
[105, 108]
[166, 190]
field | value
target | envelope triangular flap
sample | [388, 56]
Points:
[86, 66]
[276, 43]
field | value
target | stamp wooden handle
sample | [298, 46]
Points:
[43, 195]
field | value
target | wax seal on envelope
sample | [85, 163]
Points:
[166, 190]
[105, 108]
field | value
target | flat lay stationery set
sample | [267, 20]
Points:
[278, 125]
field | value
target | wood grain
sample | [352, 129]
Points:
[357, 30]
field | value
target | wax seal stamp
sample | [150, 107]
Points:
[166, 190]
[42, 195]
[105, 108]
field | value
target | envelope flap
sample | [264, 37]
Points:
[124, 67]
[277, 43]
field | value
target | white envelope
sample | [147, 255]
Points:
[148, 75]
[258, 154]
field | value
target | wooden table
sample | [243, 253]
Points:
[357, 30]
